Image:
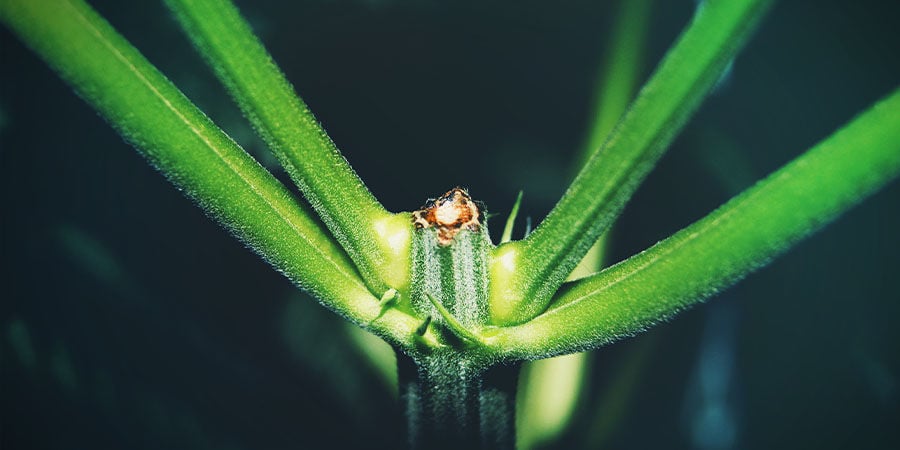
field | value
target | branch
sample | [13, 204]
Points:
[528, 272]
[291, 131]
[722, 248]
[194, 154]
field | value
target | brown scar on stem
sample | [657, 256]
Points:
[449, 213]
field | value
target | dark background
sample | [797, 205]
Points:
[130, 320]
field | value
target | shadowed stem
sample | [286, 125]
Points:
[454, 402]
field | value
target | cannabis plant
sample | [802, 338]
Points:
[462, 311]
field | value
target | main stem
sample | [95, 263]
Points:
[454, 402]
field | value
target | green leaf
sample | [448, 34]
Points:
[511, 219]
[194, 154]
[528, 272]
[720, 249]
[377, 241]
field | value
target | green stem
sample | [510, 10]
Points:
[720, 249]
[455, 402]
[529, 272]
[286, 124]
[195, 155]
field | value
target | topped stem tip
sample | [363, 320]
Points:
[449, 213]
[449, 271]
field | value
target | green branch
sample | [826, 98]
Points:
[528, 272]
[194, 154]
[376, 240]
[616, 87]
[720, 249]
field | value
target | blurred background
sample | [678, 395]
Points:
[130, 320]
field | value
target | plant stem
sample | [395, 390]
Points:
[196, 156]
[723, 247]
[288, 127]
[454, 401]
[527, 273]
